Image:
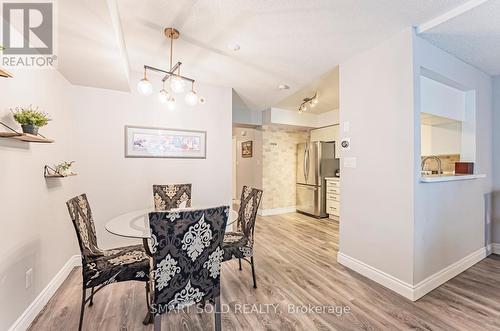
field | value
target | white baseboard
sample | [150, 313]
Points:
[444, 275]
[414, 292]
[276, 211]
[495, 249]
[29, 315]
[376, 275]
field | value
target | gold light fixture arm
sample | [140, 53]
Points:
[171, 52]
[175, 70]
[172, 34]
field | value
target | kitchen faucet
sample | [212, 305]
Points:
[440, 170]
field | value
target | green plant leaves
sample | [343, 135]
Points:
[30, 116]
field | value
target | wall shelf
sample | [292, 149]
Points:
[58, 175]
[24, 136]
[449, 178]
[5, 74]
[49, 172]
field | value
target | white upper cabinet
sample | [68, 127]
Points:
[328, 133]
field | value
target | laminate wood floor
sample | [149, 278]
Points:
[296, 265]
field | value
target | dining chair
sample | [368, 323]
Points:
[171, 196]
[239, 244]
[187, 254]
[103, 267]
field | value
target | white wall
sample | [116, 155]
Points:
[294, 118]
[36, 230]
[376, 98]
[248, 170]
[418, 229]
[115, 184]
[441, 100]
[246, 116]
[450, 217]
[88, 127]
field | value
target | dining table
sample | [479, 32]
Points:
[135, 224]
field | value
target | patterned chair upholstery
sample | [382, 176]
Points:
[187, 254]
[239, 244]
[171, 196]
[103, 267]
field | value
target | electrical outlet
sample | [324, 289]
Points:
[29, 278]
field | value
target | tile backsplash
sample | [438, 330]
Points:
[279, 154]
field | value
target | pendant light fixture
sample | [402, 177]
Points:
[163, 96]
[177, 81]
[144, 86]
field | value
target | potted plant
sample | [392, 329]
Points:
[64, 168]
[30, 119]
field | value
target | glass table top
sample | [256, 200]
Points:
[135, 224]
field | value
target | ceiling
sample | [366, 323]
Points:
[473, 36]
[88, 51]
[281, 41]
[327, 87]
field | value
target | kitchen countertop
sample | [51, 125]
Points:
[449, 178]
[332, 178]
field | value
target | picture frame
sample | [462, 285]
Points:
[151, 142]
[247, 149]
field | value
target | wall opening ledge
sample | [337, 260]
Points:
[447, 178]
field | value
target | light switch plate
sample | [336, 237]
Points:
[350, 162]
[345, 144]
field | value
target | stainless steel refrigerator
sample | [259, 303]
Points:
[315, 161]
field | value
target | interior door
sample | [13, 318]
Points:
[301, 162]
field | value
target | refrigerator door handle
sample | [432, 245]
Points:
[306, 163]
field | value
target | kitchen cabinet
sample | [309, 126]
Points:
[328, 133]
[333, 197]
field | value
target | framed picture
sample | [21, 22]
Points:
[246, 149]
[165, 143]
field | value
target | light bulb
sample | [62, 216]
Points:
[163, 96]
[144, 87]
[171, 103]
[202, 100]
[191, 98]
[177, 84]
